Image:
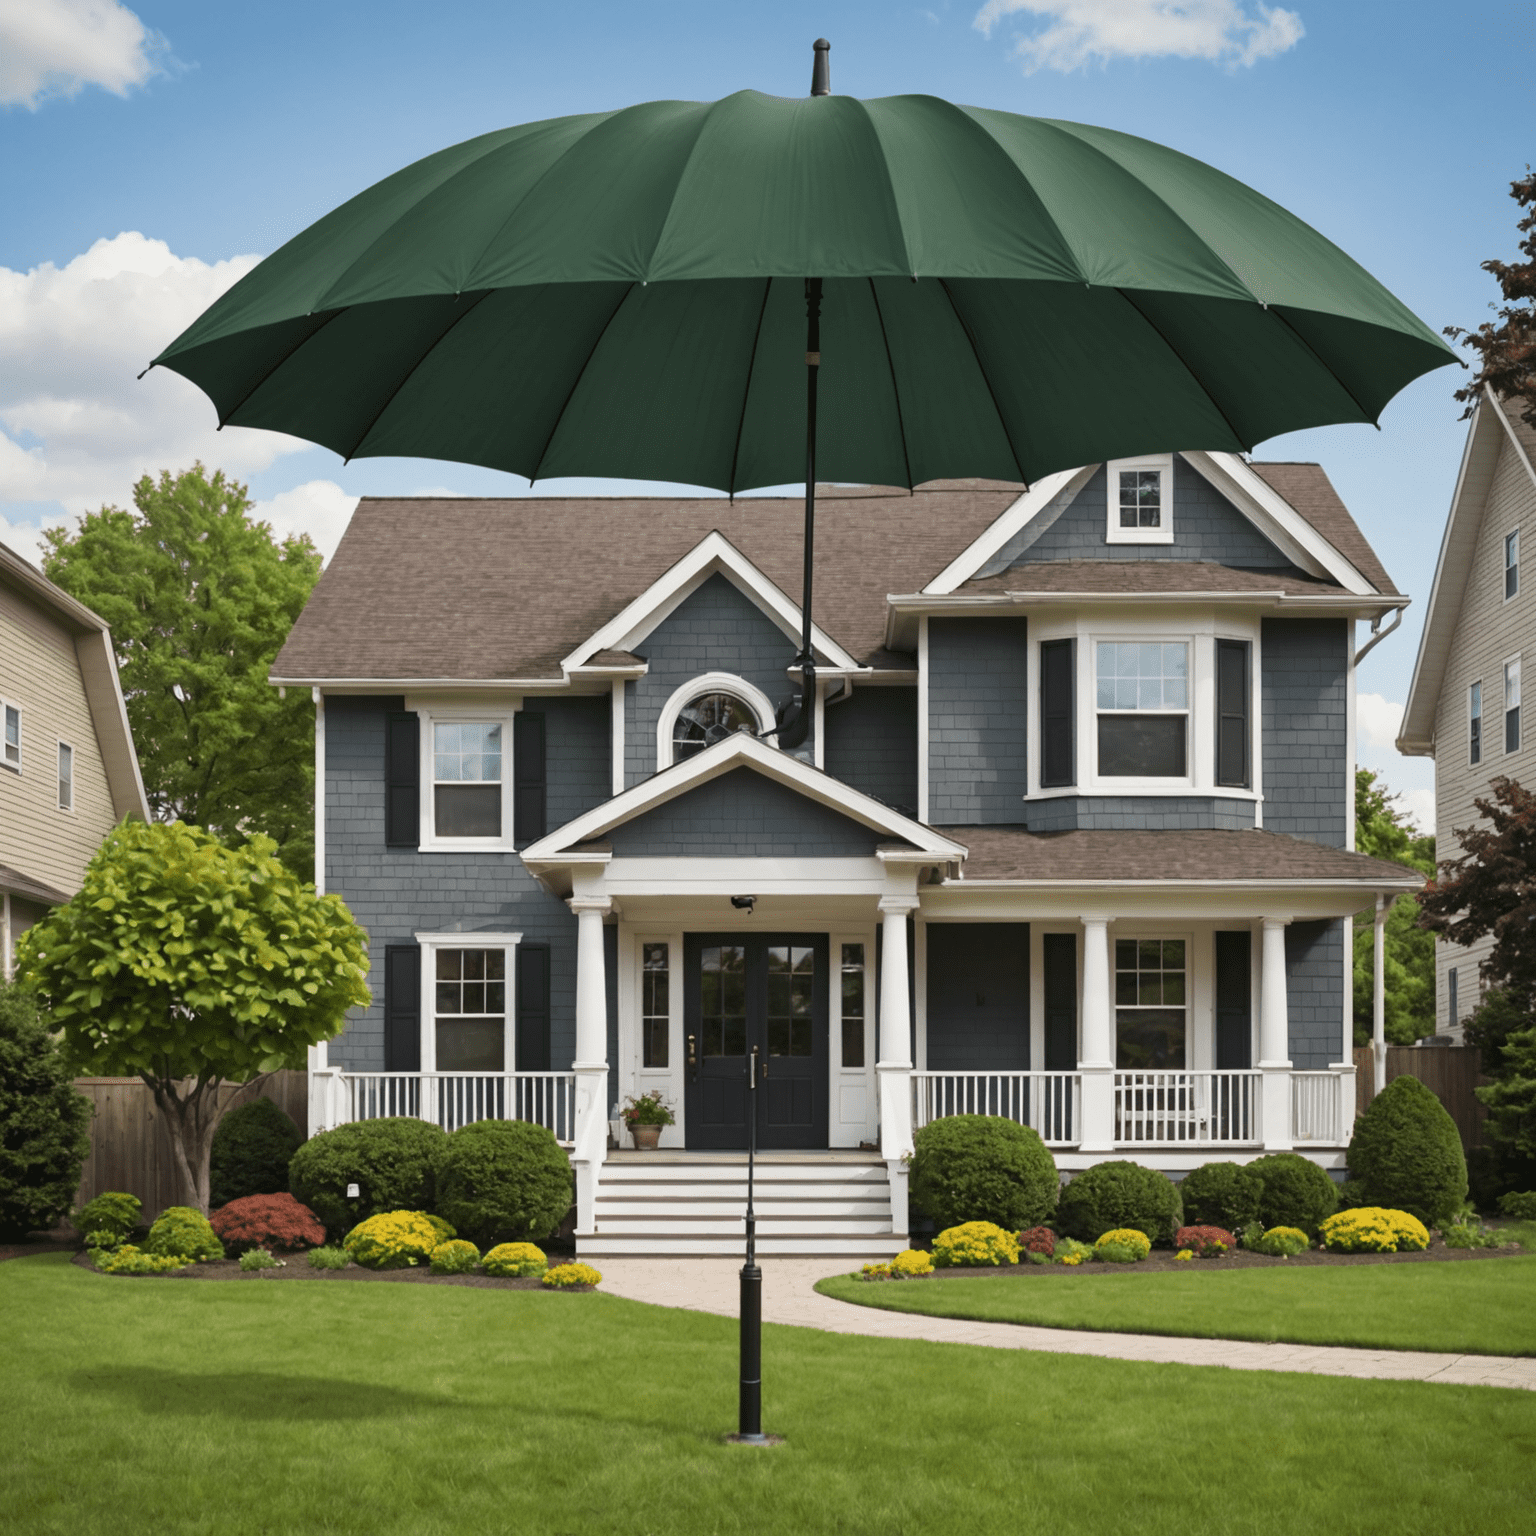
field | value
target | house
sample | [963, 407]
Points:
[1463, 706]
[1071, 839]
[68, 771]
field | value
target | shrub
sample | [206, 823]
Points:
[113, 1215]
[969, 1168]
[1070, 1251]
[1280, 1242]
[1374, 1230]
[252, 1148]
[1407, 1154]
[261, 1258]
[1519, 1205]
[1221, 1195]
[1038, 1240]
[503, 1180]
[46, 1122]
[329, 1258]
[455, 1257]
[267, 1221]
[1297, 1193]
[1124, 1245]
[515, 1261]
[910, 1264]
[566, 1277]
[128, 1260]
[184, 1234]
[395, 1240]
[1469, 1234]
[1120, 1194]
[974, 1242]
[446, 1231]
[391, 1161]
[1207, 1242]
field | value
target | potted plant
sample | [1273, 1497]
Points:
[645, 1116]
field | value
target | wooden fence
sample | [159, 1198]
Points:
[131, 1148]
[1450, 1071]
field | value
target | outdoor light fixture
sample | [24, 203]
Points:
[354, 1191]
[744, 903]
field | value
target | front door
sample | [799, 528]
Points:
[764, 990]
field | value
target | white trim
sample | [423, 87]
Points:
[1012, 522]
[466, 715]
[63, 747]
[21, 737]
[5, 935]
[1514, 533]
[819, 725]
[1163, 533]
[1350, 745]
[708, 682]
[616, 736]
[1505, 706]
[922, 718]
[319, 699]
[432, 942]
[1482, 724]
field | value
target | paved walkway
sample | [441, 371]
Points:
[711, 1285]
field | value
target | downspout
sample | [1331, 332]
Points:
[1378, 634]
[1379, 997]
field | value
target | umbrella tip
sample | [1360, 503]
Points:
[821, 70]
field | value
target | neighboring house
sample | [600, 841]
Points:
[68, 771]
[1071, 840]
[1464, 707]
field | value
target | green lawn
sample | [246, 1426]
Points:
[225, 1408]
[1483, 1306]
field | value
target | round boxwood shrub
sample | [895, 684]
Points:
[502, 1181]
[1221, 1195]
[1297, 1193]
[251, 1151]
[392, 1240]
[1120, 1194]
[275, 1222]
[515, 1261]
[983, 1168]
[974, 1243]
[110, 1217]
[455, 1257]
[1406, 1153]
[391, 1161]
[185, 1234]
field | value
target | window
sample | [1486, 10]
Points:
[1475, 723]
[791, 999]
[1141, 500]
[1143, 709]
[471, 1010]
[1150, 1004]
[1511, 564]
[466, 779]
[1450, 995]
[12, 756]
[1512, 705]
[709, 718]
[723, 1000]
[655, 1005]
[853, 1005]
[66, 777]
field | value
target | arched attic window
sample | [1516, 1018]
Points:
[708, 710]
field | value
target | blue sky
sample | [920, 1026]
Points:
[151, 150]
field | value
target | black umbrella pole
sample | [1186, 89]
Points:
[749, 1418]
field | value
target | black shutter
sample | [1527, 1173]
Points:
[528, 778]
[1058, 713]
[533, 1008]
[402, 780]
[1060, 966]
[402, 1007]
[1232, 733]
[1234, 1001]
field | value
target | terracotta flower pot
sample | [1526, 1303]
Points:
[646, 1137]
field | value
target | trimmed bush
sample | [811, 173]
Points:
[455, 1257]
[394, 1240]
[184, 1234]
[1038, 1240]
[113, 1215]
[969, 1168]
[566, 1277]
[514, 1261]
[1207, 1242]
[975, 1243]
[1071, 1252]
[392, 1162]
[1281, 1242]
[46, 1122]
[252, 1148]
[1125, 1245]
[129, 1260]
[267, 1221]
[1120, 1194]
[910, 1264]
[1221, 1195]
[503, 1180]
[445, 1229]
[1297, 1193]
[329, 1258]
[1519, 1205]
[1373, 1230]
[1406, 1153]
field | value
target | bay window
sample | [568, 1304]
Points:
[1142, 699]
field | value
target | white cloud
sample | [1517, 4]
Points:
[319, 508]
[22, 539]
[57, 47]
[1377, 722]
[1378, 719]
[1075, 33]
[1419, 807]
[79, 426]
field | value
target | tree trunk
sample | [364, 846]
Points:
[192, 1116]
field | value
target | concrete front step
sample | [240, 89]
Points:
[862, 1249]
[698, 1171]
[779, 1208]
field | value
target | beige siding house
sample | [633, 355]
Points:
[1477, 657]
[68, 770]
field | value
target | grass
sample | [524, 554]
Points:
[205, 1407]
[1483, 1306]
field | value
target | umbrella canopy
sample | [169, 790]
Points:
[623, 294]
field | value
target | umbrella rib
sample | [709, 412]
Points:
[229, 415]
[1374, 420]
[581, 373]
[405, 377]
[986, 379]
[746, 390]
[901, 421]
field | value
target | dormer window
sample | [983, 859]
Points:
[1141, 500]
[707, 719]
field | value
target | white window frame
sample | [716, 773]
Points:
[853, 1089]
[1505, 706]
[1188, 779]
[1198, 1020]
[709, 682]
[1163, 533]
[1477, 712]
[430, 719]
[1512, 546]
[21, 736]
[430, 943]
[63, 747]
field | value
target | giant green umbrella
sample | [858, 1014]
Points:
[636, 294]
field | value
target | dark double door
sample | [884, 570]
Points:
[769, 991]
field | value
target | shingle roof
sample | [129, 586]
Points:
[1112, 576]
[1308, 488]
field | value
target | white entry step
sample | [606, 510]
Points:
[831, 1205]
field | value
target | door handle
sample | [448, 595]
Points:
[693, 1051]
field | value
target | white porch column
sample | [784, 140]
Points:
[894, 1069]
[1096, 1062]
[1275, 1039]
[591, 1063]
[1379, 998]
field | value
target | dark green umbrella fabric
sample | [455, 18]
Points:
[622, 294]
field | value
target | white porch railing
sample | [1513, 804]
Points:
[1186, 1108]
[1048, 1102]
[1322, 1107]
[452, 1099]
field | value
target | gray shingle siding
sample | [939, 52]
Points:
[578, 767]
[1140, 813]
[872, 744]
[978, 712]
[1314, 976]
[1305, 698]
